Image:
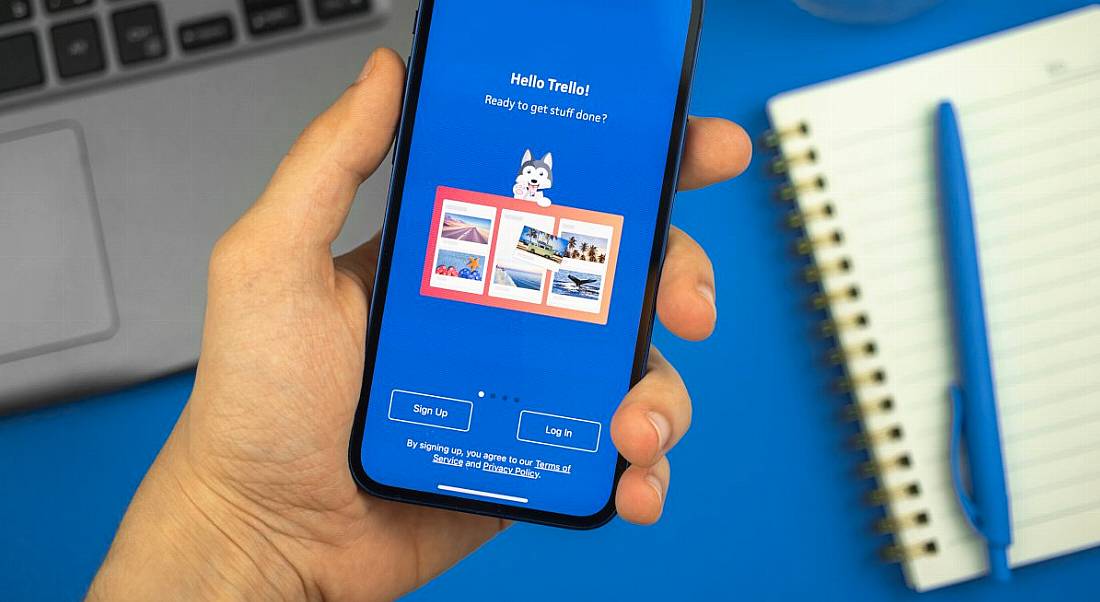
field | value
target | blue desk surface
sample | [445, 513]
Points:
[763, 502]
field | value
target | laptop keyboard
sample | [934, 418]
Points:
[77, 49]
[52, 46]
[196, 36]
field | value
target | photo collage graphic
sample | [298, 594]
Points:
[509, 253]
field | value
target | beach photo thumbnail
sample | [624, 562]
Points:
[506, 275]
[466, 266]
[541, 248]
[583, 247]
[468, 228]
[578, 285]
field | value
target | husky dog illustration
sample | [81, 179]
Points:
[535, 175]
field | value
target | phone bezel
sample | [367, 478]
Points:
[378, 298]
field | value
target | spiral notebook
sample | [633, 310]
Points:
[858, 153]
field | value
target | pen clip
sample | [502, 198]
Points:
[967, 503]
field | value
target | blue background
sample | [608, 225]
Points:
[557, 366]
[763, 502]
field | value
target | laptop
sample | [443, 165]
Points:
[132, 134]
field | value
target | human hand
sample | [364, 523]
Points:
[251, 496]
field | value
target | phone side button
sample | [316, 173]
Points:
[559, 431]
[431, 410]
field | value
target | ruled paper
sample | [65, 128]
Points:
[1029, 104]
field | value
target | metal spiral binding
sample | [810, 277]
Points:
[792, 191]
[807, 244]
[852, 382]
[799, 218]
[816, 273]
[900, 553]
[885, 495]
[833, 326]
[828, 299]
[901, 523]
[781, 165]
[841, 355]
[773, 138]
[857, 411]
[868, 439]
[838, 302]
[875, 468]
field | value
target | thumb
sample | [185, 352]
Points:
[310, 194]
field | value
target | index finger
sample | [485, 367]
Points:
[311, 192]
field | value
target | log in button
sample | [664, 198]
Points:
[559, 431]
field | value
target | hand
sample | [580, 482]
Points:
[251, 496]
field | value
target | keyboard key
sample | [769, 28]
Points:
[20, 63]
[334, 9]
[56, 6]
[14, 10]
[269, 16]
[77, 48]
[139, 35]
[199, 35]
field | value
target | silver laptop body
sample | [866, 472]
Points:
[124, 163]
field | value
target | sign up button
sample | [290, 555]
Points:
[558, 431]
[431, 410]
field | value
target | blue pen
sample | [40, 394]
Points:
[973, 397]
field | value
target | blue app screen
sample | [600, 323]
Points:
[522, 249]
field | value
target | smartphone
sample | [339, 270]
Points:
[534, 174]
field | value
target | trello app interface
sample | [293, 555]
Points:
[523, 243]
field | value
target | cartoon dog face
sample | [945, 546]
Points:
[536, 173]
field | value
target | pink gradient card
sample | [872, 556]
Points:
[503, 252]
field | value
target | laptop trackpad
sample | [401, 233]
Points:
[55, 288]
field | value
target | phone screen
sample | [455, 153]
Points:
[522, 247]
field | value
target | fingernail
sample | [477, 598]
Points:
[367, 68]
[663, 428]
[655, 483]
[707, 293]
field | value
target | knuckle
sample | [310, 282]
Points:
[220, 255]
[230, 257]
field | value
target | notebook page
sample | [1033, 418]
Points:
[1029, 104]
